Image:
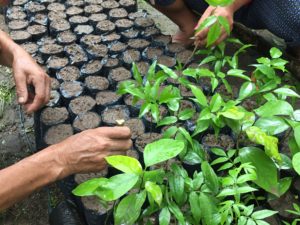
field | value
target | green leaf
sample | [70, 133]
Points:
[272, 125]
[209, 210]
[225, 24]
[296, 115]
[176, 212]
[168, 71]
[201, 126]
[273, 108]
[144, 109]
[266, 70]
[167, 120]
[176, 183]
[162, 150]
[218, 152]
[88, 188]
[216, 102]
[233, 113]
[136, 74]
[247, 90]
[297, 135]
[155, 191]
[151, 71]
[286, 92]
[199, 95]
[186, 114]
[208, 59]
[206, 23]
[129, 209]
[262, 214]
[284, 185]
[170, 132]
[296, 162]
[238, 73]
[117, 186]
[265, 168]
[219, 2]
[125, 164]
[270, 143]
[155, 176]
[195, 207]
[213, 34]
[210, 177]
[164, 216]
[155, 112]
[214, 83]
[275, 53]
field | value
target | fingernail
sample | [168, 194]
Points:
[21, 99]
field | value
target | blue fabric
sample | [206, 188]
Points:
[281, 17]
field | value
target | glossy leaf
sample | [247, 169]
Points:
[275, 53]
[213, 34]
[238, 73]
[125, 164]
[273, 108]
[286, 92]
[296, 162]
[117, 186]
[219, 2]
[129, 208]
[88, 188]
[168, 71]
[155, 191]
[272, 125]
[199, 95]
[208, 209]
[247, 89]
[233, 113]
[262, 214]
[225, 24]
[186, 114]
[162, 150]
[206, 23]
[195, 207]
[164, 216]
[167, 120]
[210, 177]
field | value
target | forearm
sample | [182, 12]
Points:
[7, 49]
[28, 175]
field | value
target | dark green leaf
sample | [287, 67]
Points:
[155, 176]
[210, 177]
[176, 212]
[195, 207]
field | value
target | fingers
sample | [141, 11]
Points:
[221, 38]
[120, 145]
[42, 92]
[114, 132]
[21, 86]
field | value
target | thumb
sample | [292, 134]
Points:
[21, 86]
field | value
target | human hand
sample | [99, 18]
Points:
[85, 152]
[201, 36]
[28, 72]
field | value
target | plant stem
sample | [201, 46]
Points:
[191, 56]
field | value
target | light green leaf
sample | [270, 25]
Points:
[247, 90]
[144, 109]
[210, 177]
[273, 108]
[262, 214]
[296, 162]
[155, 191]
[176, 212]
[286, 92]
[272, 125]
[136, 74]
[238, 73]
[168, 71]
[219, 2]
[195, 207]
[186, 114]
[170, 132]
[88, 188]
[209, 209]
[213, 34]
[233, 113]
[167, 120]
[129, 209]
[275, 53]
[297, 135]
[164, 216]
[155, 176]
[199, 95]
[162, 150]
[206, 23]
[117, 186]
[270, 143]
[216, 102]
[125, 164]
[225, 24]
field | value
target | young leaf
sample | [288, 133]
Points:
[136, 74]
[170, 132]
[238, 73]
[296, 162]
[129, 208]
[210, 177]
[164, 216]
[155, 176]
[168, 71]
[186, 114]
[155, 191]
[262, 214]
[199, 95]
[275, 53]
[195, 207]
[176, 212]
[116, 186]
[88, 188]
[219, 2]
[144, 109]
[233, 113]
[162, 150]
[125, 164]
[270, 143]
[272, 125]
[176, 183]
[225, 24]
[286, 92]
[209, 209]
[206, 23]
[213, 34]
[167, 121]
[273, 108]
[216, 102]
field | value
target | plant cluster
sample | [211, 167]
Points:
[226, 186]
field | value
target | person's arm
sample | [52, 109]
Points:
[227, 12]
[26, 72]
[83, 152]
